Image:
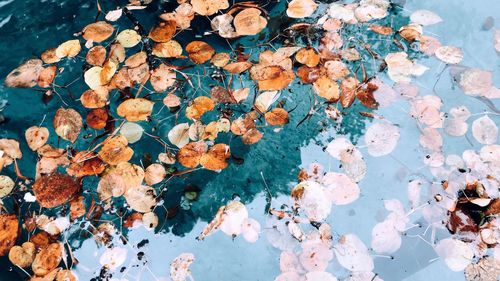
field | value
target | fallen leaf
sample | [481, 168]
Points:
[276, 117]
[249, 22]
[190, 155]
[137, 109]
[98, 31]
[141, 198]
[67, 124]
[23, 255]
[25, 75]
[163, 32]
[69, 49]
[208, 7]
[199, 52]
[115, 150]
[55, 190]
[215, 158]
[47, 259]
[301, 8]
[9, 231]
[36, 137]
[179, 135]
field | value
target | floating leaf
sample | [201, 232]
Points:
[163, 32]
[449, 54]
[301, 8]
[215, 158]
[198, 107]
[128, 38]
[199, 52]
[154, 174]
[132, 132]
[190, 155]
[276, 117]
[485, 130]
[67, 124]
[55, 190]
[23, 255]
[115, 150]
[141, 198]
[9, 231]
[134, 110]
[36, 137]
[249, 22]
[69, 49]
[98, 31]
[381, 138]
[179, 268]
[26, 75]
[179, 135]
[425, 17]
[97, 118]
[47, 259]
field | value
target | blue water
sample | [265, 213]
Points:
[29, 27]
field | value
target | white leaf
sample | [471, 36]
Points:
[425, 17]
[340, 188]
[381, 138]
[456, 254]
[313, 200]
[114, 15]
[179, 135]
[484, 130]
[352, 254]
[132, 132]
[113, 258]
[385, 238]
[265, 99]
[449, 54]
[179, 268]
[235, 214]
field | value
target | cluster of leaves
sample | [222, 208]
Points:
[219, 96]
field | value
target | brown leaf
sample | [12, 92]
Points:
[96, 56]
[199, 51]
[55, 190]
[36, 137]
[381, 29]
[134, 110]
[307, 56]
[198, 107]
[49, 56]
[46, 76]
[77, 207]
[97, 118]
[190, 155]
[163, 32]
[215, 158]
[67, 124]
[47, 259]
[272, 78]
[95, 98]
[24, 255]
[237, 67]
[308, 74]
[98, 31]
[221, 94]
[9, 231]
[85, 163]
[115, 151]
[277, 117]
[249, 22]
[252, 136]
[327, 88]
[25, 75]
[162, 77]
[208, 7]
[365, 96]
[349, 87]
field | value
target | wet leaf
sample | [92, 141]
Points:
[154, 174]
[141, 198]
[381, 138]
[46, 76]
[190, 155]
[97, 118]
[301, 8]
[115, 150]
[249, 22]
[23, 255]
[36, 137]
[277, 117]
[163, 32]
[128, 38]
[98, 31]
[47, 259]
[215, 158]
[179, 135]
[9, 231]
[69, 49]
[199, 52]
[138, 109]
[162, 77]
[198, 107]
[179, 268]
[26, 75]
[67, 124]
[55, 190]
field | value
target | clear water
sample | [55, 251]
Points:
[29, 27]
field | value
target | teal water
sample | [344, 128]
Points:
[29, 27]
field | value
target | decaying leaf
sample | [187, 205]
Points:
[23, 255]
[67, 124]
[9, 231]
[141, 198]
[36, 137]
[55, 190]
[190, 155]
[301, 8]
[163, 32]
[249, 22]
[179, 268]
[198, 107]
[208, 7]
[215, 158]
[277, 117]
[26, 75]
[47, 259]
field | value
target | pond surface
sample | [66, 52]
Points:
[27, 28]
